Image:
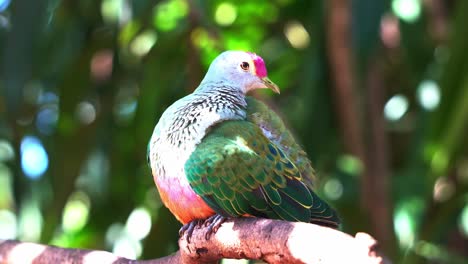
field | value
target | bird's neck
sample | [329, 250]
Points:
[207, 106]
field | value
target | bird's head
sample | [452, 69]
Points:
[243, 69]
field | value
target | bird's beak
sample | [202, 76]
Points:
[268, 83]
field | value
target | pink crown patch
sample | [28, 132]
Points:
[260, 68]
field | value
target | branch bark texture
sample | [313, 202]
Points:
[250, 238]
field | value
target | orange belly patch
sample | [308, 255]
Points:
[182, 201]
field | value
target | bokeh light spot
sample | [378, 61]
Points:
[226, 14]
[396, 107]
[201, 38]
[125, 111]
[128, 32]
[112, 10]
[297, 35]
[30, 221]
[333, 189]
[85, 112]
[4, 4]
[403, 228]
[48, 98]
[464, 221]
[139, 223]
[34, 158]
[6, 151]
[168, 13]
[439, 161]
[6, 187]
[407, 10]
[113, 233]
[8, 228]
[428, 95]
[350, 164]
[5, 23]
[76, 212]
[443, 189]
[47, 118]
[101, 65]
[143, 43]
[390, 31]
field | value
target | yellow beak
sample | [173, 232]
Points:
[268, 83]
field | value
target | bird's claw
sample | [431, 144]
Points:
[213, 223]
[187, 229]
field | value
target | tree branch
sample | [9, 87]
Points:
[251, 238]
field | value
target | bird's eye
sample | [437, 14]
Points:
[245, 66]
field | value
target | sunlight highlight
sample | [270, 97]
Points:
[241, 144]
[95, 256]
[33, 251]
[228, 234]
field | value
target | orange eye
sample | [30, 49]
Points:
[245, 66]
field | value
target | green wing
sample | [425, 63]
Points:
[268, 120]
[238, 171]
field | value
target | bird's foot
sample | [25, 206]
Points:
[213, 223]
[187, 229]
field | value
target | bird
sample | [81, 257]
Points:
[219, 153]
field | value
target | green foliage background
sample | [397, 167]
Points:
[101, 72]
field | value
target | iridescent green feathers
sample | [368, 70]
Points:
[237, 170]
